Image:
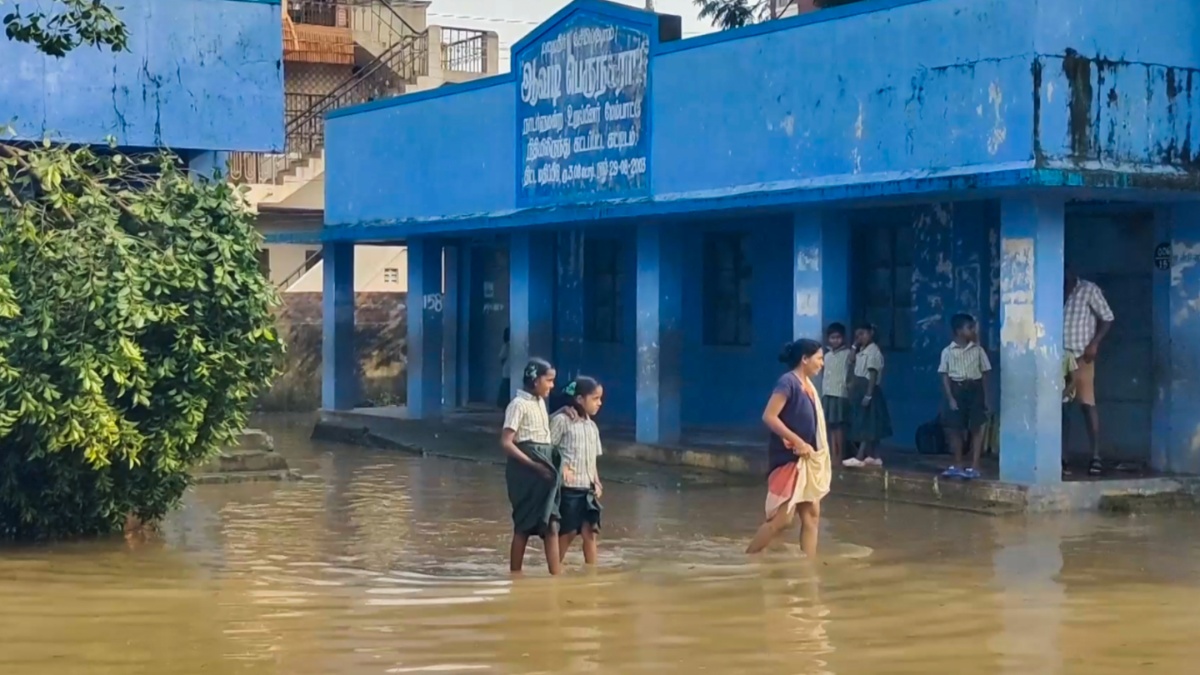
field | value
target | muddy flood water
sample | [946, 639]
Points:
[385, 563]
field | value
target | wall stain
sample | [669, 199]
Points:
[1078, 71]
[1039, 154]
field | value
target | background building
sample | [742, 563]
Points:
[338, 53]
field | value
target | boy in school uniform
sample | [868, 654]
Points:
[964, 370]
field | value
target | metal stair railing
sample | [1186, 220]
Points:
[309, 263]
[401, 63]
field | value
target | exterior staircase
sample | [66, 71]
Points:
[389, 50]
[398, 65]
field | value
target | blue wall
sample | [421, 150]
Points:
[920, 89]
[1107, 93]
[448, 155]
[198, 75]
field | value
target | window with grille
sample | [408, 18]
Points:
[883, 264]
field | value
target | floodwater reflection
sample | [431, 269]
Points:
[391, 564]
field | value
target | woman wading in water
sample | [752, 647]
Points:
[798, 451]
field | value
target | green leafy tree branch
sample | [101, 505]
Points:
[136, 327]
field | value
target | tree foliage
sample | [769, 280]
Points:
[135, 324]
[76, 23]
[727, 14]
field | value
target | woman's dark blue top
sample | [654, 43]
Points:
[799, 414]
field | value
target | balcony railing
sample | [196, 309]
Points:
[464, 50]
[330, 13]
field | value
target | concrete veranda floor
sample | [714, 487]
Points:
[906, 476]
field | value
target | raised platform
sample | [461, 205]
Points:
[909, 478]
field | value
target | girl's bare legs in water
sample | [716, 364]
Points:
[810, 527]
[810, 521]
[516, 552]
[553, 554]
[770, 529]
[589, 536]
[837, 439]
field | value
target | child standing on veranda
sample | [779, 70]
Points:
[578, 440]
[870, 421]
[838, 361]
[533, 471]
[964, 370]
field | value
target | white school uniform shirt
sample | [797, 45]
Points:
[579, 443]
[837, 372]
[964, 363]
[526, 416]
[870, 358]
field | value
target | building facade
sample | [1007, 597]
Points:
[664, 214]
[339, 53]
[192, 72]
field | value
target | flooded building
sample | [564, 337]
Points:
[663, 213]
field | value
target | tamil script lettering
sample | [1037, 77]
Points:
[581, 115]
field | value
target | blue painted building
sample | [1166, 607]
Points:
[200, 77]
[665, 213]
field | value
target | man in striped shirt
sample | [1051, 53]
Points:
[1087, 318]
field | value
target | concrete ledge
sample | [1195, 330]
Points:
[255, 439]
[473, 437]
[284, 476]
[252, 460]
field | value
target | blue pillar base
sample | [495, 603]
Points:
[569, 300]
[1031, 329]
[531, 300]
[1178, 421]
[659, 337]
[451, 393]
[426, 307]
[339, 367]
[820, 272]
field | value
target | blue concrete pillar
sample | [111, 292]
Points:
[1031, 330]
[466, 281]
[339, 366]
[531, 299]
[659, 333]
[426, 307]
[568, 314]
[450, 327]
[820, 272]
[1182, 385]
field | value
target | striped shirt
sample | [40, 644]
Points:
[526, 415]
[870, 358]
[1081, 310]
[579, 443]
[964, 362]
[837, 372]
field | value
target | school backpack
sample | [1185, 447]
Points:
[930, 439]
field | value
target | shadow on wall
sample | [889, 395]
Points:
[380, 330]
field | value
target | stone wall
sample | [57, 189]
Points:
[380, 330]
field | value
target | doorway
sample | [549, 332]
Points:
[1114, 249]
[489, 315]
